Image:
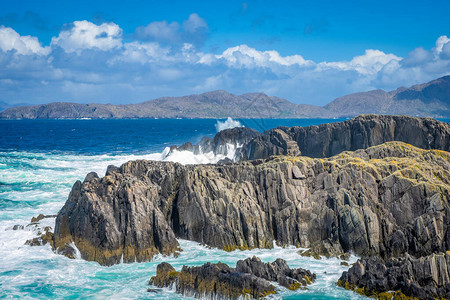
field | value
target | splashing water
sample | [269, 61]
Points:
[34, 182]
[227, 124]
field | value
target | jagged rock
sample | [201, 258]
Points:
[326, 140]
[43, 238]
[17, 227]
[251, 278]
[115, 217]
[40, 217]
[297, 173]
[277, 271]
[424, 278]
[364, 131]
[370, 201]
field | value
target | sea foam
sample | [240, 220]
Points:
[32, 183]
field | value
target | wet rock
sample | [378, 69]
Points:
[40, 217]
[424, 278]
[43, 238]
[251, 278]
[18, 227]
[378, 201]
[277, 271]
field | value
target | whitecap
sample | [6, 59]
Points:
[227, 124]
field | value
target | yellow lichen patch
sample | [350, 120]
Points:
[295, 286]
[391, 295]
[230, 248]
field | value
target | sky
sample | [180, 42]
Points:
[131, 51]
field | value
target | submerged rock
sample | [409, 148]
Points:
[250, 279]
[384, 200]
[424, 278]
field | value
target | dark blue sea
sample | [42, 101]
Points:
[41, 159]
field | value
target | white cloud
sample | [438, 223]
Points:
[193, 31]
[162, 31]
[368, 64]
[141, 53]
[86, 35]
[417, 57]
[139, 70]
[195, 23]
[445, 53]
[440, 42]
[245, 56]
[26, 45]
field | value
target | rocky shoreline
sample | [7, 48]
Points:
[426, 277]
[250, 279]
[387, 200]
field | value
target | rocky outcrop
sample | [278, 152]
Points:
[250, 279]
[277, 271]
[118, 217]
[424, 278]
[325, 140]
[364, 131]
[384, 200]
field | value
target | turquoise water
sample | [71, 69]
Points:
[39, 162]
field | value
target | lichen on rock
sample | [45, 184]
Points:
[250, 279]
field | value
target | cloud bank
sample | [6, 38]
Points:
[87, 62]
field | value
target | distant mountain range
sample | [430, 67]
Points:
[430, 99]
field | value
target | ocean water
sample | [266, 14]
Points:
[41, 159]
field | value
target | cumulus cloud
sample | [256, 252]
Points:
[83, 35]
[136, 52]
[245, 56]
[194, 30]
[92, 63]
[26, 45]
[368, 64]
[441, 41]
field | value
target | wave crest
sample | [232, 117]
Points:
[227, 124]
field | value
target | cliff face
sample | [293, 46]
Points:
[386, 200]
[426, 277]
[359, 133]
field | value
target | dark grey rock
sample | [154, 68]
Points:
[425, 278]
[368, 201]
[251, 278]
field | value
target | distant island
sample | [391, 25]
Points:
[430, 99]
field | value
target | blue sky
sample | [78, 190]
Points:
[128, 52]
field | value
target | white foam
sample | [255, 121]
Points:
[188, 157]
[227, 124]
[46, 179]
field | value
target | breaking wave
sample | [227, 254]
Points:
[227, 124]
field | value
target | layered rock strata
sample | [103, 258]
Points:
[250, 279]
[326, 140]
[400, 278]
[385, 200]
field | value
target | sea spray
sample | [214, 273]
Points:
[227, 124]
[34, 182]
